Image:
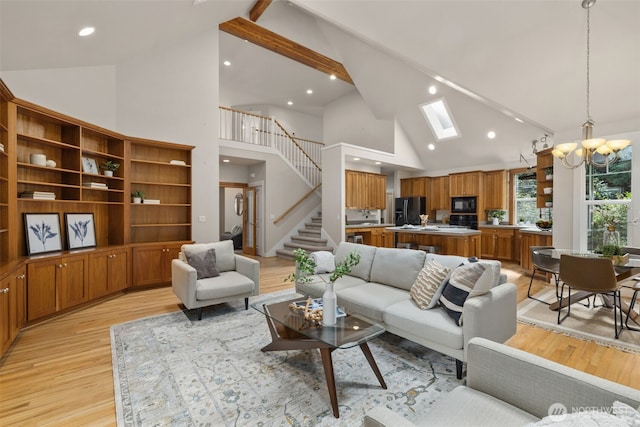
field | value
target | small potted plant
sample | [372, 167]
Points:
[548, 173]
[614, 252]
[496, 215]
[137, 196]
[548, 201]
[109, 167]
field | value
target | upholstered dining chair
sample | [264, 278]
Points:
[593, 275]
[544, 264]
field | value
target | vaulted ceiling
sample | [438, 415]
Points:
[515, 58]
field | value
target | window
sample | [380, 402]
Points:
[608, 199]
[440, 120]
[524, 197]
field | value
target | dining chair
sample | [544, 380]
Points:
[593, 275]
[544, 264]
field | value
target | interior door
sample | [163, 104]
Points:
[249, 221]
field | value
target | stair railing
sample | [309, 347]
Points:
[292, 207]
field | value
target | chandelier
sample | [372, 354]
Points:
[590, 146]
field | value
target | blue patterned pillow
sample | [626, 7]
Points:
[468, 280]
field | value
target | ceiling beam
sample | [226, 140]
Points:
[258, 9]
[262, 37]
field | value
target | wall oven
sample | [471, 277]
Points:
[467, 205]
[469, 221]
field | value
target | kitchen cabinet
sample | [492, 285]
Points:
[532, 239]
[414, 187]
[152, 264]
[465, 184]
[382, 238]
[497, 243]
[438, 196]
[495, 190]
[107, 272]
[56, 284]
[364, 190]
[12, 307]
[466, 246]
[545, 162]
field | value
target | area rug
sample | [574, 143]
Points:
[175, 370]
[592, 324]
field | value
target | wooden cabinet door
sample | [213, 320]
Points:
[148, 265]
[350, 182]
[388, 239]
[456, 185]
[377, 191]
[18, 301]
[117, 270]
[98, 275]
[170, 253]
[72, 281]
[488, 243]
[41, 288]
[465, 184]
[406, 187]
[438, 195]
[5, 314]
[504, 245]
[495, 189]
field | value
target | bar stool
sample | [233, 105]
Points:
[355, 238]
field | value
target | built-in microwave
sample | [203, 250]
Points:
[464, 205]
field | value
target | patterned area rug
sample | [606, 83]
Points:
[592, 324]
[175, 370]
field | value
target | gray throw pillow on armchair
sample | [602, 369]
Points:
[204, 262]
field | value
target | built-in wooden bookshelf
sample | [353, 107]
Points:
[544, 163]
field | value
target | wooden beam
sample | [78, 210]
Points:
[262, 37]
[258, 9]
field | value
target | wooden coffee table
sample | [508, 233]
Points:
[291, 331]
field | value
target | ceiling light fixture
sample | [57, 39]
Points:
[433, 90]
[309, 91]
[86, 31]
[356, 158]
[491, 134]
[225, 160]
[332, 77]
[590, 146]
[518, 119]
[378, 163]
[431, 147]
[289, 102]
[227, 63]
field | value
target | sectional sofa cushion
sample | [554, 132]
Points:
[225, 259]
[466, 281]
[229, 283]
[398, 268]
[429, 280]
[371, 299]
[453, 261]
[363, 269]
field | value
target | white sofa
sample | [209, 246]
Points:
[377, 290]
[509, 387]
[239, 277]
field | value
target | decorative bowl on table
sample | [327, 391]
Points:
[544, 224]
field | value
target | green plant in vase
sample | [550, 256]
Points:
[110, 167]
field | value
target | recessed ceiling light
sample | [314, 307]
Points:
[491, 134]
[378, 163]
[309, 91]
[289, 102]
[227, 63]
[86, 31]
[356, 158]
[433, 90]
[333, 77]
[431, 147]
[518, 119]
[226, 161]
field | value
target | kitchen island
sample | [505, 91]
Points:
[372, 234]
[447, 240]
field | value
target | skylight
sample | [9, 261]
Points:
[439, 118]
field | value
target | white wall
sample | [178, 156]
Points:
[171, 94]
[85, 93]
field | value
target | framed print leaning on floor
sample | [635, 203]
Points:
[42, 232]
[81, 230]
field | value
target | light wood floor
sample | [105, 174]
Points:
[58, 373]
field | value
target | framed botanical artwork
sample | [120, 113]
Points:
[90, 166]
[81, 230]
[42, 232]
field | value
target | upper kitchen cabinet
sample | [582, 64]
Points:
[495, 189]
[364, 190]
[414, 187]
[439, 193]
[465, 184]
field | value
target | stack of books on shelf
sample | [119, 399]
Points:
[38, 195]
[95, 185]
[151, 201]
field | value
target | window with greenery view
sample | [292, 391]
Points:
[525, 197]
[608, 198]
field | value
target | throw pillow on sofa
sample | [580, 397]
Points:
[204, 262]
[429, 280]
[324, 260]
[466, 281]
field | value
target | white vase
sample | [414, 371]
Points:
[108, 173]
[496, 221]
[137, 200]
[329, 306]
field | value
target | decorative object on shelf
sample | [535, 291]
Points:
[151, 201]
[2, 147]
[51, 164]
[306, 266]
[496, 215]
[42, 232]
[109, 167]
[38, 195]
[423, 220]
[38, 159]
[137, 196]
[177, 162]
[544, 224]
[312, 310]
[547, 190]
[590, 146]
[89, 166]
[81, 232]
[548, 174]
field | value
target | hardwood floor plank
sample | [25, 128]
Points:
[59, 373]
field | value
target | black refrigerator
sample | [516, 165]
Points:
[409, 209]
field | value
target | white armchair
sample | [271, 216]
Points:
[239, 277]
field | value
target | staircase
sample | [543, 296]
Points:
[308, 238]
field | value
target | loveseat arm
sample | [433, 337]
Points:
[491, 316]
[250, 268]
[183, 282]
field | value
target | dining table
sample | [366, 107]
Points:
[627, 275]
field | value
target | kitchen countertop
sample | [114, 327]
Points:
[432, 229]
[536, 230]
[367, 225]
